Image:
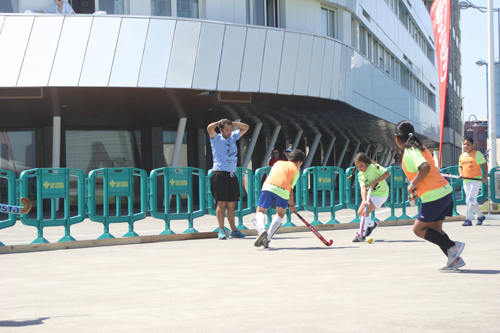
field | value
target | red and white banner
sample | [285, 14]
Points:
[440, 16]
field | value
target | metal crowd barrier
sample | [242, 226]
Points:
[7, 196]
[398, 194]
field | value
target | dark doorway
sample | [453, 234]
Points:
[83, 6]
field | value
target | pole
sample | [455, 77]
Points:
[453, 114]
[491, 89]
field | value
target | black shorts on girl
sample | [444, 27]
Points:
[225, 186]
[436, 210]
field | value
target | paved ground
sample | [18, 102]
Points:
[297, 285]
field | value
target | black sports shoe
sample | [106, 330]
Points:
[370, 229]
[356, 239]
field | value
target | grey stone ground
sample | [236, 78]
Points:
[297, 285]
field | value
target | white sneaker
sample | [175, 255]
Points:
[456, 265]
[260, 238]
[454, 252]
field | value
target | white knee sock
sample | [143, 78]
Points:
[477, 209]
[275, 224]
[368, 223]
[261, 221]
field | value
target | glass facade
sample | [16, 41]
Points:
[90, 150]
[18, 151]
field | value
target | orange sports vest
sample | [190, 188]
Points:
[432, 181]
[281, 174]
[470, 167]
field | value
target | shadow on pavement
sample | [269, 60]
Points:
[309, 248]
[20, 323]
[478, 271]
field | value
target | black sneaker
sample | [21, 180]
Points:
[370, 229]
[356, 239]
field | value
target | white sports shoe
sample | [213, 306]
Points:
[454, 252]
[260, 239]
[456, 265]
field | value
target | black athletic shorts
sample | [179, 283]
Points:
[225, 186]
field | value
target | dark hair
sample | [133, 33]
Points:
[225, 122]
[406, 134]
[297, 156]
[468, 138]
[359, 157]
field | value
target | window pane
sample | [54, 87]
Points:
[324, 22]
[111, 6]
[258, 12]
[8, 6]
[162, 8]
[17, 151]
[332, 30]
[271, 14]
[187, 8]
[90, 150]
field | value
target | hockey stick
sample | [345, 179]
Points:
[361, 233]
[447, 175]
[17, 209]
[321, 238]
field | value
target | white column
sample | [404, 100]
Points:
[274, 137]
[56, 146]
[312, 151]
[368, 148]
[178, 142]
[329, 150]
[354, 154]
[492, 129]
[341, 157]
[251, 147]
[297, 139]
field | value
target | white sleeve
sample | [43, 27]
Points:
[51, 10]
[67, 8]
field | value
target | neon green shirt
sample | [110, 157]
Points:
[413, 158]
[479, 160]
[372, 173]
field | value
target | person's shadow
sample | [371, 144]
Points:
[20, 323]
[477, 271]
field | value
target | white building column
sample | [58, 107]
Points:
[312, 151]
[341, 157]
[354, 154]
[297, 139]
[251, 147]
[178, 142]
[274, 137]
[328, 151]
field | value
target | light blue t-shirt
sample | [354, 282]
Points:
[225, 152]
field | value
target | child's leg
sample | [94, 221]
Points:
[473, 195]
[469, 199]
[275, 224]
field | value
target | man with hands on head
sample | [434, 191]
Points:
[224, 184]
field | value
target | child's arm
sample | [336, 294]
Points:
[379, 179]
[460, 171]
[485, 172]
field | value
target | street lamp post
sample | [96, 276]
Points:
[481, 62]
[492, 137]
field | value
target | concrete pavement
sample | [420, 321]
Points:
[297, 285]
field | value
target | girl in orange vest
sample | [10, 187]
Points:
[471, 163]
[434, 191]
[277, 189]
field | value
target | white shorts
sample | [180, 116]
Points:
[378, 201]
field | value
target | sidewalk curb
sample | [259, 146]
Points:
[180, 237]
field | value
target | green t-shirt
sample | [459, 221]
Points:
[285, 194]
[372, 173]
[412, 159]
[479, 160]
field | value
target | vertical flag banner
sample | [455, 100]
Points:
[440, 16]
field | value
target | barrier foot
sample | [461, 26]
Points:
[2, 244]
[131, 234]
[374, 219]
[167, 232]
[316, 222]
[404, 217]
[356, 220]
[333, 221]
[288, 224]
[40, 240]
[67, 238]
[390, 218]
[190, 231]
[106, 235]
[241, 227]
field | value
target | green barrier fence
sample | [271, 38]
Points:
[398, 194]
[175, 183]
[321, 181]
[258, 181]
[53, 184]
[117, 183]
[495, 184]
[456, 184]
[244, 206]
[7, 196]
